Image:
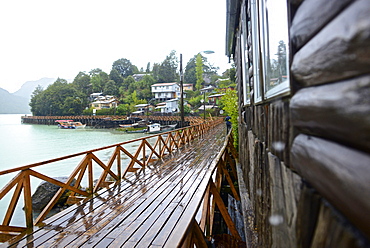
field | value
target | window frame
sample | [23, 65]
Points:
[244, 57]
[260, 52]
[257, 91]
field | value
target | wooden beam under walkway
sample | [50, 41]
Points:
[154, 207]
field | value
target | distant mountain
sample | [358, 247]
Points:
[18, 102]
[11, 104]
[29, 86]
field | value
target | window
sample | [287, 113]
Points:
[270, 51]
[275, 53]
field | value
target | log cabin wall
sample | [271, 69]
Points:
[304, 152]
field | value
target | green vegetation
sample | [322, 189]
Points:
[229, 104]
[73, 98]
[199, 72]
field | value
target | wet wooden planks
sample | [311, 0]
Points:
[151, 208]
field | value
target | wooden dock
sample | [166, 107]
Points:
[155, 207]
[100, 121]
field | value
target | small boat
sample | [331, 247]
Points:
[70, 124]
[125, 125]
[137, 130]
[133, 128]
[157, 128]
[139, 124]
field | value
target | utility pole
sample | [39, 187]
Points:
[204, 106]
[182, 93]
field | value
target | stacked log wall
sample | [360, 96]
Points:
[305, 158]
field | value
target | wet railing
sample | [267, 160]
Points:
[149, 149]
[222, 172]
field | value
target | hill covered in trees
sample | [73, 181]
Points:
[63, 98]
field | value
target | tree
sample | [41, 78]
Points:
[72, 106]
[155, 71]
[281, 53]
[129, 103]
[195, 101]
[229, 103]
[116, 77]
[143, 87]
[189, 75]
[167, 70]
[147, 68]
[95, 71]
[187, 110]
[230, 73]
[129, 84]
[209, 71]
[82, 83]
[59, 98]
[111, 88]
[199, 72]
[124, 109]
[98, 79]
[36, 100]
[148, 80]
[124, 67]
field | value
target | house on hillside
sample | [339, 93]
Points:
[166, 91]
[188, 87]
[95, 96]
[169, 106]
[207, 89]
[141, 109]
[104, 102]
[215, 98]
[138, 77]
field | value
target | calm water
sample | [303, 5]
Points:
[23, 144]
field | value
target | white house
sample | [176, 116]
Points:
[170, 106]
[166, 91]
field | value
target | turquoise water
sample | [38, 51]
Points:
[24, 144]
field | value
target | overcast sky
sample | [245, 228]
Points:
[48, 38]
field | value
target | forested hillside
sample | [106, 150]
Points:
[63, 98]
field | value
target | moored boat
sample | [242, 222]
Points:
[157, 128]
[70, 124]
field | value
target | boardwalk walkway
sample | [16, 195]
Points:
[153, 208]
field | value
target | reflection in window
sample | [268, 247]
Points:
[276, 47]
[244, 56]
[255, 52]
[278, 66]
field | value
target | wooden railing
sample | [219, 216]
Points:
[150, 148]
[223, 168]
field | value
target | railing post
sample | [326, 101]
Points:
[144, 158]
[90, 174]
[119, 172]
[27, 199]
[160, 146]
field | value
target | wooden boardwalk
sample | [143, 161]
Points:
[152, 208]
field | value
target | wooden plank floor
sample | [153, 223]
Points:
[149, 209]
